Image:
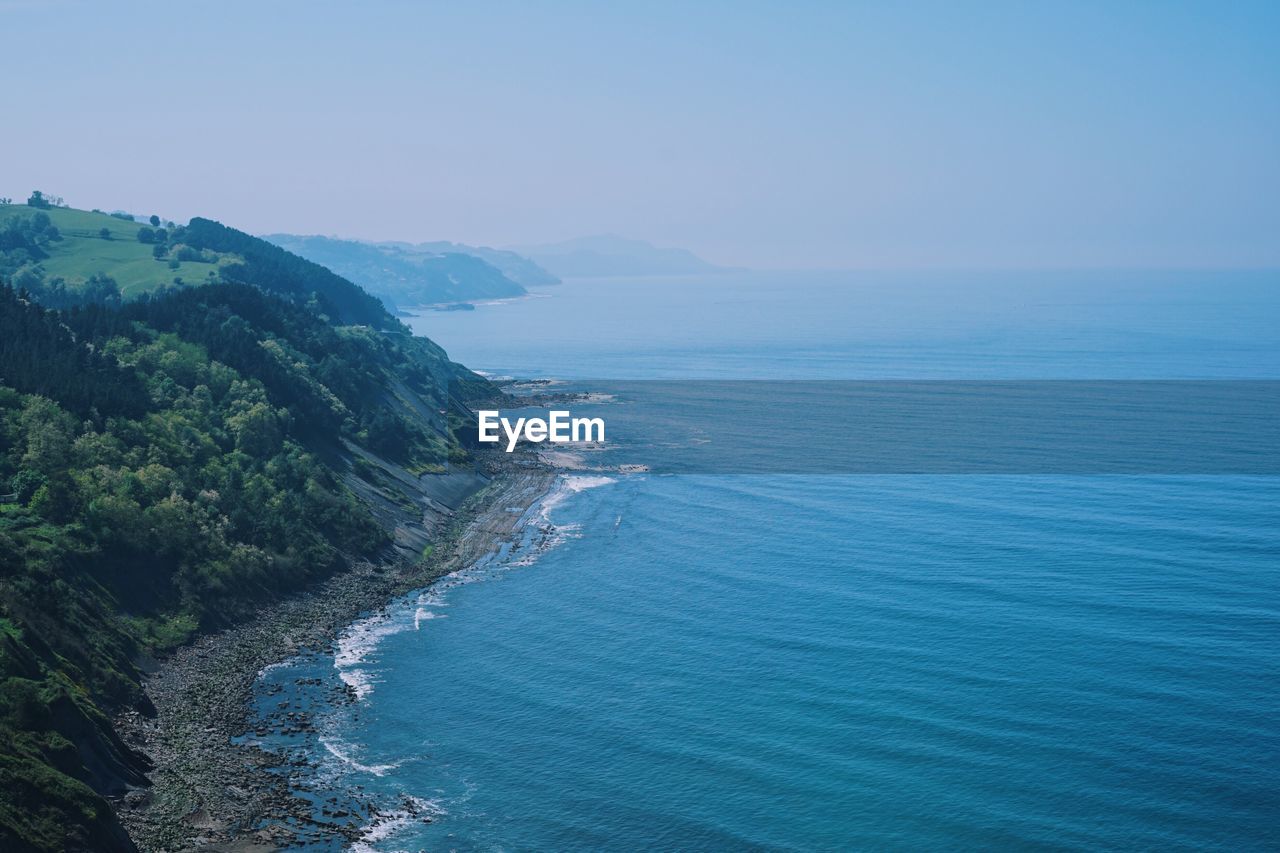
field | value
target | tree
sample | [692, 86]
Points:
[104, 233]
[49, 431]
[155, 221]
[101, 288]
[257, 430]
[37, 199]
[25, 483]
[55, 500]
[146, 235]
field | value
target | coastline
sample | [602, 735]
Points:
[209, 791]
[447, 307]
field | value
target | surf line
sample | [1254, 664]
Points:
[560, 427]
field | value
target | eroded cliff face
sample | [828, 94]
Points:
[66, 757]
[412, 508]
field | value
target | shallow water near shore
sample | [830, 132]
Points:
[826, 662]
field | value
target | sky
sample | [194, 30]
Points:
[770, 135]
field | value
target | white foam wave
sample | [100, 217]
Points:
[422, 614]
[342, 752]
[356, 644]
[387, 824]
[431, 597]
[568, 486]
[272, 667]
[580, 482]
[541, 533]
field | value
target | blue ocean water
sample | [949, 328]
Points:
[1008, 325]
[837, 662]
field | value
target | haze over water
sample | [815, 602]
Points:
[828, 662]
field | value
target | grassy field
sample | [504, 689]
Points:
[82, 252]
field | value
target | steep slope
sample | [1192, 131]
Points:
[282, 272]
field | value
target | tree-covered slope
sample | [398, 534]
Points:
[272, 268]
[168, 463]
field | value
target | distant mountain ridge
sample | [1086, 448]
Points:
[514, 266]
[408, 274]
[611, 255]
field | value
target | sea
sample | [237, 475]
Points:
[839, 661]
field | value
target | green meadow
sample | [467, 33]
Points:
[83, 251]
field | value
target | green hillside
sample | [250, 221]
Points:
[83, 251]
[171, 460]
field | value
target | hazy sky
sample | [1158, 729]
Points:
[775, 135]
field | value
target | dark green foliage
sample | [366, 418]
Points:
[188, 253]
[23, 485]
[146, 235]
[264, 338]
[24, 240]
[37, 199]
[40, 355]
[54, 292]
[187, 482]
[154, 220]
[391, 436]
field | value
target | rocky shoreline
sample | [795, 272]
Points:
[210, 793]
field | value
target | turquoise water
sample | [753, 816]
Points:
[838, 662]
